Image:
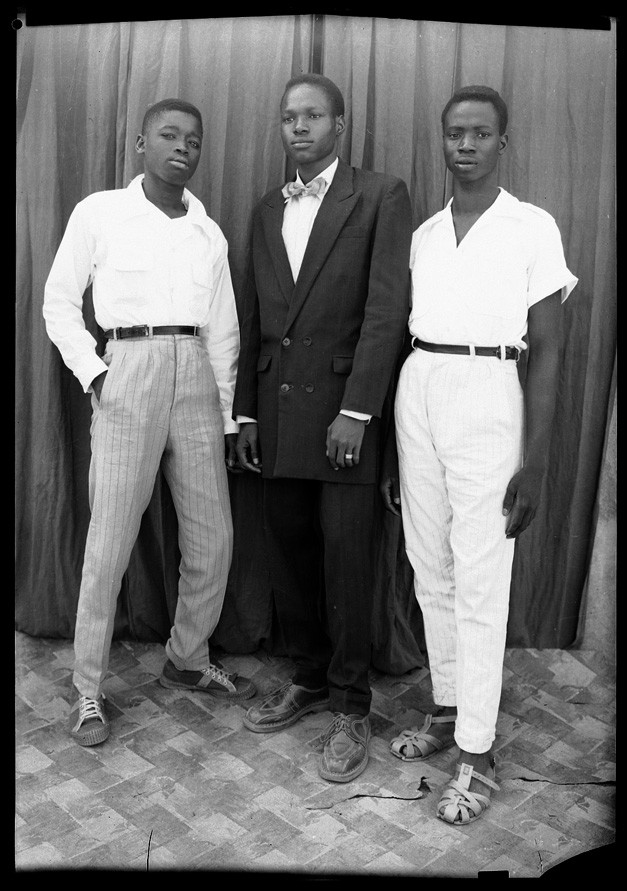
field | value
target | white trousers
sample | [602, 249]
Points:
[159, 406]
[459, 423]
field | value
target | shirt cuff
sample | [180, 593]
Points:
[88, 370]
[242, 419]
[358, 415]
[230, 426]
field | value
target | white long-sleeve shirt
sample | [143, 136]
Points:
[146, 269]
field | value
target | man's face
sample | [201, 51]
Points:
[309, 128]
[171, 147]
[471, 139]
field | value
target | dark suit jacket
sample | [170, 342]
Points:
[331, 340]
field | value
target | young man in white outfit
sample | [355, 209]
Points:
[472, 447]
[161, 395]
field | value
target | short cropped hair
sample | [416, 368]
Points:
[479, 93]
[331, 90]
[155, 111]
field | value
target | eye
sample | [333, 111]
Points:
[287, 120]
[194, 144]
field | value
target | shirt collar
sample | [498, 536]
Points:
[138, 204]
[327, 174]
[505, 205]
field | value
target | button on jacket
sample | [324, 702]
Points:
[146, 269]
[345, 318]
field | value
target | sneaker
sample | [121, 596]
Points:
[91, 726]
[345, 753]
[285, 707]
[214, 680]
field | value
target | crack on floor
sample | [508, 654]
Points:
[558, 783]
[421, 789]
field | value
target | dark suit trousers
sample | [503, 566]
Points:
[320, 549]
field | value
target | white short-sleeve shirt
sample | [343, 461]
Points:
[479, 292]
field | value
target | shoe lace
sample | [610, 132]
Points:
[218, 674]
[89, 709]
[340, 722]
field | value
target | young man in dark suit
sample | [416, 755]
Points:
[323, 322]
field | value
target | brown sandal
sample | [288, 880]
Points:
[416, 745]
[458, 805]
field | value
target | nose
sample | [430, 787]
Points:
[467, 142]
[181, 147]
[300, 124]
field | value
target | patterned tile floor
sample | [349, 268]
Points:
[179, 785]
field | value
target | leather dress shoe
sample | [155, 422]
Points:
[285, 707]
[345, 753]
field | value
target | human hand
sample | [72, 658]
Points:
[344, 438]
[391, 495]
[521, 499]
[97, 383]
[247, 447]
[230, 454]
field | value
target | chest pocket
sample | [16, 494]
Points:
[132, 269]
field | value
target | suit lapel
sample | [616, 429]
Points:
[338, 203]
[272, 220]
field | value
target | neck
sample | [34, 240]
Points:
[474, 197]
[166, 196]
[307, 172]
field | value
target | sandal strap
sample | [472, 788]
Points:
[467, 772]
[458, 801]
[414, 736]
[456, 792]
[420, 740]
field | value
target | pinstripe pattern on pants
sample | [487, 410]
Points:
[159, 406]
[459, 423]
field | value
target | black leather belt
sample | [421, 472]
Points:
[463, 350]
[149, 330]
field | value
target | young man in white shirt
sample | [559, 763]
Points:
[472, 448]
[161, 395]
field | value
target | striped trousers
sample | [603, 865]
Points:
[159, 407]
[459, 424]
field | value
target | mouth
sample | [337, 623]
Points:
[465, 162]
[179, 162]
[301, 143]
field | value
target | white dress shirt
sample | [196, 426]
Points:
[146, 269]
[298, 219]
[479, 292]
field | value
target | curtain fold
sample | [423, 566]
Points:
[82, 91]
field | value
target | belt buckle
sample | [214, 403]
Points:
[141, 331]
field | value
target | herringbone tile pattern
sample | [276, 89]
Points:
[180, 785]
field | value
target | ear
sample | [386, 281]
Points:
[140, 144]
[340, 124]
[503, 140]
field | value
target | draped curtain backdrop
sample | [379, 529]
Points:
[81, 94]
